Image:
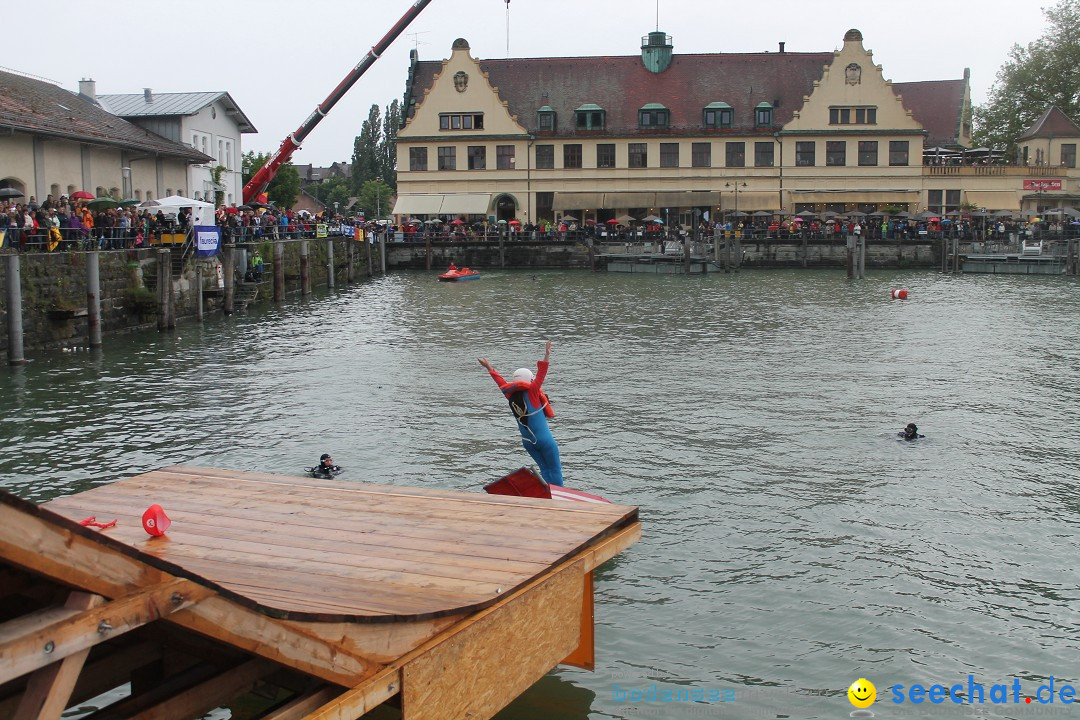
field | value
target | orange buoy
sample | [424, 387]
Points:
[155, 521]
[899, 294]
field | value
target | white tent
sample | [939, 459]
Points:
[202, 213]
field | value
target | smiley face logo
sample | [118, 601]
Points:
[862, 693]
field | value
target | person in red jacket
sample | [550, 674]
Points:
[532, 409]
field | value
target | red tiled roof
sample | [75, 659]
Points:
[622, 85]
[937, 105]
[1052, 123]
[35, 106]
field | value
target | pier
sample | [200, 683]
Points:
[327, 598]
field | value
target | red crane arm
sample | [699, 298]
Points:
[291, 144]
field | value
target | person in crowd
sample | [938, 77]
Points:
[256, 265]
[532, 409]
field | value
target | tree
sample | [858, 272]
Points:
[365, 159]
[331, 190]
[284, 189]
[1045, 73]
[388, 149]
[374, 198]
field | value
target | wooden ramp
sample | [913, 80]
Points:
[326, 597]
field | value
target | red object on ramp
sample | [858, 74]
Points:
[155, 521]
[526, 483]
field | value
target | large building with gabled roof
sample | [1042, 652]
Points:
[55, 142]
[210, 122]
[686, 137]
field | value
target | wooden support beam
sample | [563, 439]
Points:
[197, 700]
[300, 707]
[285, 643]
[28, 644]
[49, 689]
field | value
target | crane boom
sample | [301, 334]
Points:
[291, 144]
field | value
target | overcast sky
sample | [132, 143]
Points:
[279, 59]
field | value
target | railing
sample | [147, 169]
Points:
[995, 170]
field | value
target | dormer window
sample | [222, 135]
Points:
[718, 115]
[589, 117]
[763, 115]
[545, 119]
[654, 115]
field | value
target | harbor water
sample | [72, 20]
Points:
[792, 543]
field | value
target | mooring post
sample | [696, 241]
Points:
[93, 299]
[14, 311]
[228, 262]
[367, 242]
[850, 256]
[163, 262]
[956, 255]
[805, 248]
[172, 289]
[427, 252]
[329, 263]
[198, 293]
[592, 256]
[350, 256]
[382, 251]
[305, 271]
[502, 251]
[279, 270]
[862, 257]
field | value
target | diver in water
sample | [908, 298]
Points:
[326, 467]
[531, 409]
[911, 432]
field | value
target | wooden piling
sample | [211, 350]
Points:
[329, 263]
[93, 299]
[14, 310]
[305, 270]
[350, 260]
[382, 250]
[198, 293]
[686, 255]
[367, 242]
[850, 257]
[228, 262]
[279, 270]
[427, 252]
[164, 262]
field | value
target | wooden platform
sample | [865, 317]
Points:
[340, 595]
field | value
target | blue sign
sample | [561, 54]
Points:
[207, 240]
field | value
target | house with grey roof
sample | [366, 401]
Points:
[54, 141]
[209, 122]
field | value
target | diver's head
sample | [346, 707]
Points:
[911, 430]
[325, 457]
[523, 375]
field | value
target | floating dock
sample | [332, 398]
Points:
[655, 263]
[1016, 264]
[300, 598]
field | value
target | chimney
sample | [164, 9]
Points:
[147, 95]
[782, 46]
[88, 89]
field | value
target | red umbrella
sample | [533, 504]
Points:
[613, 221]
[232, 210]
[457, 221]
[515, 222]
[82, 195]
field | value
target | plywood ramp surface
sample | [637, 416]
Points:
[331, 550]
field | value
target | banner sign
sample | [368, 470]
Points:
[345, 230]
[320, 230]
[1042, 185]
[207, 240]
[358, 234]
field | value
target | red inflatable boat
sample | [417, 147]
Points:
[458, 274]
